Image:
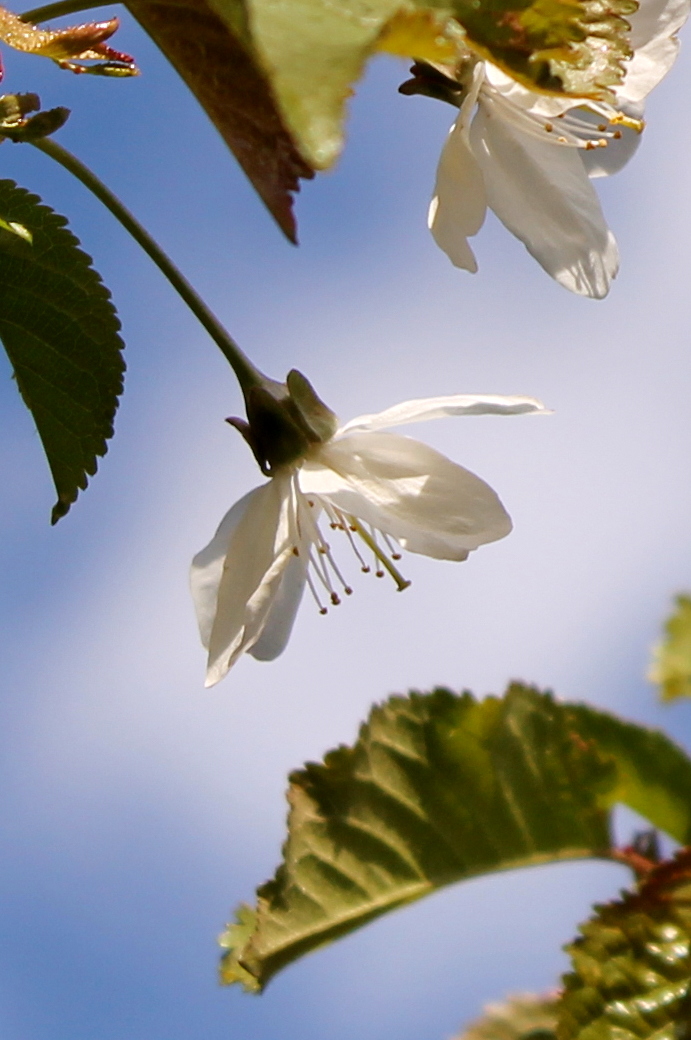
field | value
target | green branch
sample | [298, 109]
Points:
[248, 376]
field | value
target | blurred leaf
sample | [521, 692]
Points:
[653, 774]
[632, 965]
[521, 1017]
[60, 332]
[275, 76]
[437, 788]
[214, 54]
[671, 665]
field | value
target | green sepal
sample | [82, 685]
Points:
[320, 421]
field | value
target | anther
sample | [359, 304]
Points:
[549, 128]
[590, 145]
[296, 551]
[335, 599]
[602, 127]
[562, 140]
[617, 135]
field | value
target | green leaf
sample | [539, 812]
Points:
[653, 774]
[632, 965]
[234, 938]
[522, 1017]
[215, 55]
[437, 788]
[671, 665]
[60, 331]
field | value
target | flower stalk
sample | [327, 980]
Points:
[248, 375]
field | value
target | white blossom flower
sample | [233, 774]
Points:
[529, 158]
[374, 491]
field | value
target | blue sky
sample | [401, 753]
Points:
[140, 808]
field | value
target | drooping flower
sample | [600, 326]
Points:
[530, 157]
[371, 490]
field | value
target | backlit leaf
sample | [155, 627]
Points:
[439, 788]
[671, 665]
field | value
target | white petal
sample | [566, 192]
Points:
[458, 204]
[408, 490]
[242, 569]
[207, 568]
[655, 19]
[649, 65]
[424, 408]
[281, 617]
[541, 192]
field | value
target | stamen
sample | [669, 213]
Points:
[320, 605]
[340, 522]
[577, 131]
[356, 526]
[395, 555]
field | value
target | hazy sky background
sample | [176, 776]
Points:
[139, 809]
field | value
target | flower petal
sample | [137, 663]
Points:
[541, 192]
[281, 617]
[655, 19]
[648, 66]
[458, 204]
[406, 489]
[237, 577]
[423, 408]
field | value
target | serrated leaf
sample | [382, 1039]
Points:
[632, 964]
[215, 57]
[60, 331]
[670, 668]
[234, 938]
[437, 788]
[521, 1017]
[653, 774]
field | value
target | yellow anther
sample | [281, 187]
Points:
[549, 128]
